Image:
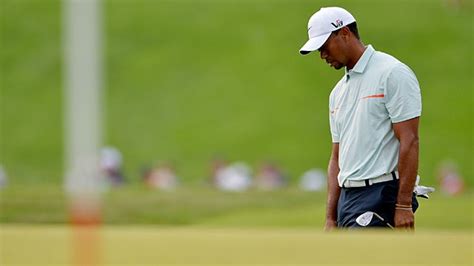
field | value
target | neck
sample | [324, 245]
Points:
[356, 53]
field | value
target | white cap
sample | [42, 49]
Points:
[322, 23]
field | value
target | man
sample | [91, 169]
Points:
[374, 117]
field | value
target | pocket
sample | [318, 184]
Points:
[374, 107]
[389, 195]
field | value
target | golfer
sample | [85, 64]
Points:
[374, 114]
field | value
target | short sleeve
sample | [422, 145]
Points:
[334, 133]
[402, 94]
[332, 122]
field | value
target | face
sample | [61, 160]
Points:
[333, 50]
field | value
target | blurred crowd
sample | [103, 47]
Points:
[239, 176]
[223, 175]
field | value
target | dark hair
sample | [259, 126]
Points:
[353, 28]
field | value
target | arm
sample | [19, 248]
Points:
[407, 134]
[333, 189]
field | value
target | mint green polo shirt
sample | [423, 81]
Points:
[379, 91]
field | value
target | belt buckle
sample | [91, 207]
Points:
[384, 178]
[379, 179]
[356, 183]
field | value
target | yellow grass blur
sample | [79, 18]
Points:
[128, 245]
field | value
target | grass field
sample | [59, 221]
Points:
[201, 226]
[116, 245]
[186, 80]
[201, 206]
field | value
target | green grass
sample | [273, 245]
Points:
[186, 80]
[205, 207]
[111, 245]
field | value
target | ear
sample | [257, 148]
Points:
[345, 33]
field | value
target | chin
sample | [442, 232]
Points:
[338, 67]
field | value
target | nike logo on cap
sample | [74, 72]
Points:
[338, 23]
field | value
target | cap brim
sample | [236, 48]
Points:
[314, 44]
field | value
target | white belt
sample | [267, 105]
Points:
[368, 182]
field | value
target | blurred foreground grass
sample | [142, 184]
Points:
[117, 245]
[203, 206]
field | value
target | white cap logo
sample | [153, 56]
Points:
[338, 23]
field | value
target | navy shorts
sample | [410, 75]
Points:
[379, 198]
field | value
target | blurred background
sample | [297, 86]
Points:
[210, 115]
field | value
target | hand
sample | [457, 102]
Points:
[404, 219]
[330, 225]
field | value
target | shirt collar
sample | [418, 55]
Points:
[363, 60]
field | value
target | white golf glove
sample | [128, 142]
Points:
[422, 191]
